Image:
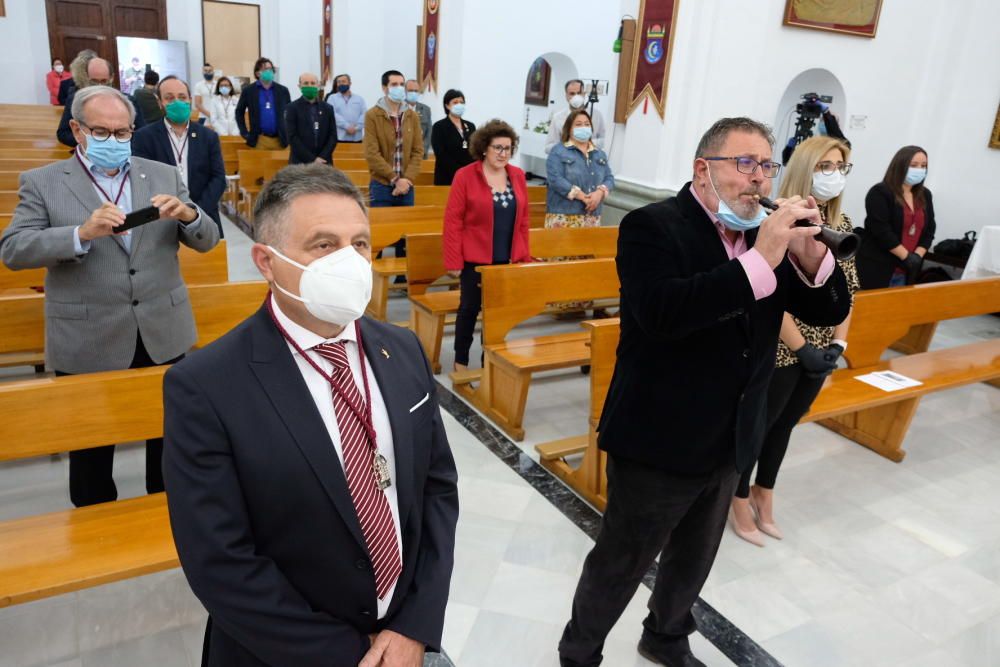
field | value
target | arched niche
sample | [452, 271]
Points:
[561, 69]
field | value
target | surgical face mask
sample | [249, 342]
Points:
[267, 75]
[178, 111]
[109, 154]
[915, 175]
[728, 217]
[583, 133]
[577, 101]
[343, 88]
[335, 288]
[412, 97]
[458, 109]
[309, 92]
[828, 186]
[225, 90]
[397, 93]
[59, 69]
[208, 75]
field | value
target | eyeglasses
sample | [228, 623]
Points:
[103, 134]
[747, 165]
[828, 167]
[502, 150]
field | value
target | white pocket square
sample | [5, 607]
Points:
[422, 401]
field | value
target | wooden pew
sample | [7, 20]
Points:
[511, 295]
[425, 266]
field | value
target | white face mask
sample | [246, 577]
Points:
[335, 288]
[58, 68]
[577, 101]
[828, 186]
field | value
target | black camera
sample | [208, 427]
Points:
[810, 107]
[809, 111]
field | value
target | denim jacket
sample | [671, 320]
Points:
[567, 166]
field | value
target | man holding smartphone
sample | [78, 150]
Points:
[114, 299]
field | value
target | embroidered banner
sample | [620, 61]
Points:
[654, 42]
[431, 46]
[326, 51]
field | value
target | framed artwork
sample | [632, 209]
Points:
[995, 137]
[851, 17]
[536, 88]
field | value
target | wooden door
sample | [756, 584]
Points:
[75, 25]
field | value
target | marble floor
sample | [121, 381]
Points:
[882, 564]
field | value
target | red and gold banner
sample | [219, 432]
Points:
[326, 49]
[431, 46]
[654, 43]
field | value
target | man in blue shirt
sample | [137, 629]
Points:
[266, 101]
[349, 110]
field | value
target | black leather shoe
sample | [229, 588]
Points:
[682, 657]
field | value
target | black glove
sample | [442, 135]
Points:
[815, 361]
[911, 265]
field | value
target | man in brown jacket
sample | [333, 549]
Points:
[394, 146]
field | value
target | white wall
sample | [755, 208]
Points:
[24, 34]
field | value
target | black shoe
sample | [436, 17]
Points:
[682, 657]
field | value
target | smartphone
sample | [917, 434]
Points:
[140, 217]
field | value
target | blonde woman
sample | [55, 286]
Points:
[806, 354]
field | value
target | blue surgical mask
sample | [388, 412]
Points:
[397, 93]
[734, 222]
[110, 154]
[412, 97]
[458, 109]
[915, 175]
[225, 90]
[343, 88]
[583, 133]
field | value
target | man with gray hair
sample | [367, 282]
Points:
[113, 300]
[311, 488]
[706, 278]
[88, 69]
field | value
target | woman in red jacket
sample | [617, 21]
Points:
[55, 76]
[485, 222]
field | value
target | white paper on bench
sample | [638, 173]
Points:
[888, 381]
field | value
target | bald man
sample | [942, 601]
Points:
[97, 73]
[310, 126]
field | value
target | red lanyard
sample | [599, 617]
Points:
[173, 144]
[98, 185]
[364, 413]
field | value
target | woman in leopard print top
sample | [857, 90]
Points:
[806, 354]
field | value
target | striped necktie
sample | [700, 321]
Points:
[370, 502]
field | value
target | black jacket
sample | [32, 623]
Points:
[697, 350]
[249, 101]
[66, 88]
[449, 156]
[146, 102]
[883, 231]
[262, 518]
[206, 170]
[305, 147]
[65, 134]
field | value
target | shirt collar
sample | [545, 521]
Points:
[100, 171]
[170, 128]
[711, 216]
[307, 339]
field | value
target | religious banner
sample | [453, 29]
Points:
[431, 46]
[326, 50]
[654, 41]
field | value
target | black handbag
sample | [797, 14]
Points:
[957, 248]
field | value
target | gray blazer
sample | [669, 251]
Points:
[424, 112]
[97, 302]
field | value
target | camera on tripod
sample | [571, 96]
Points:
[809, 111]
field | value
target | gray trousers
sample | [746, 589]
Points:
[650, 513]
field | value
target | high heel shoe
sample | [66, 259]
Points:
[769, 529]
[754, 536]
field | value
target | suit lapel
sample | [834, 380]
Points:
[281, 380]
[385, 366]
[80, 185]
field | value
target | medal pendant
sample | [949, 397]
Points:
[465, 145]
[381, 469]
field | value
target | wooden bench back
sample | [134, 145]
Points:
[48, 143]
[348, 162]
[604, 337]
[883, 316]
[8, 200]
[425, 261]
[517, 292]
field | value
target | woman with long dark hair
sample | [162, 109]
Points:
[899, 225]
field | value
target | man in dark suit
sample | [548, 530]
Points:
[266, 101]
[312, 493]
[94, 71]
[194, 149]
[703, 292]
[310, 126]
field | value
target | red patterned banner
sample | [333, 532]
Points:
[654, 41]
[431, 47]
[326, 52]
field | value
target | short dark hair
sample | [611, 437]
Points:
[340, 75]
[571, 82]
[151, 77]
[56, 60]
[452, 94]
[386, 75]
[291, 182]
[484, 136]
[207, 65]
[567, 127]
[259, 65]
[171, 77]
[219, 83]
[716, 135]
[895, 174]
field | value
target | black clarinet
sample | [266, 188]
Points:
[844, 245]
